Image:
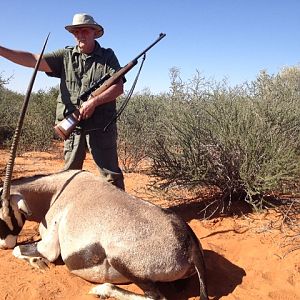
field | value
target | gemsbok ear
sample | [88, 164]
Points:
[23, 208]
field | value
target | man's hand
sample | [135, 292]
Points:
[87, 109]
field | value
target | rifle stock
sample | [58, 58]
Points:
[67, 125]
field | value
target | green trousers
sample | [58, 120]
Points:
[102, 146]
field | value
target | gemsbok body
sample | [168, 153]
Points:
[102, 234]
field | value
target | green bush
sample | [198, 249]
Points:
[37, 132]
[244, 140]
[137, 129]
[10, 105]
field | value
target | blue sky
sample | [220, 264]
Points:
[233, 39]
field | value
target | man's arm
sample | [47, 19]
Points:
[23, 58]
[88, 107]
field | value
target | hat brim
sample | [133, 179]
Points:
[98, 29]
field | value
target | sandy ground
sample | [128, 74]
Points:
[247, 256]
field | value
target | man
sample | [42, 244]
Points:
[78, 67]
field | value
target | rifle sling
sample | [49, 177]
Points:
[125, 102]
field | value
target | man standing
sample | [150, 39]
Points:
[78, 67]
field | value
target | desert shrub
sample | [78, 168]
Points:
[10, 105]
[244, 140]
[37, 132]
[137, 129]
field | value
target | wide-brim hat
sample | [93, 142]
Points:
[85, 20]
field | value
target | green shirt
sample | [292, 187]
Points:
[77, 71]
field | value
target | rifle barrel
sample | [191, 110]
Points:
[161, 36]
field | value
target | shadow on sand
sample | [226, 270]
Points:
[222, 275]
[190, 210]
[222, 278]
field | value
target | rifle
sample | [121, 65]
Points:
[67, 125]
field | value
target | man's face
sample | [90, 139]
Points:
[85, 38]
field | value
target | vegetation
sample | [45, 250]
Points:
[37, 131]
[244, 140]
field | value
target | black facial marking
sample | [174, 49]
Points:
[88, 257]
[5, 230]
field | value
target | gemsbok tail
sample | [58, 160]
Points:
[198, 260]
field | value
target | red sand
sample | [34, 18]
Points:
[247, 257]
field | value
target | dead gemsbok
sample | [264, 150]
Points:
[102, 234]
